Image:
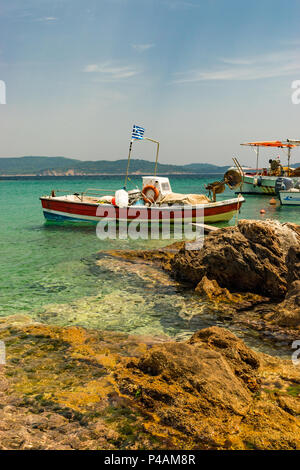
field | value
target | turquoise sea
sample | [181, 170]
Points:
[59, 274]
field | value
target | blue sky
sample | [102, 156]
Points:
[201, 75]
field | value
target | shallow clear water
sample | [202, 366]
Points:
[49, 270]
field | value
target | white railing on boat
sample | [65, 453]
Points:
[89, 192]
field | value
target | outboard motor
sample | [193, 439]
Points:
[283, 184]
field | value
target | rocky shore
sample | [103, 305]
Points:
[256, 265]
[72, 388]
[249, 274]
[77, 388]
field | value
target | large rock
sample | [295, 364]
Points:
[243, 361]
[287, 313]
[210, 390]
[211, 290]
[71, 388]
[262, 257]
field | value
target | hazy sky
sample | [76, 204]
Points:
[201, 75]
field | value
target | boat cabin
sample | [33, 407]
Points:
[161, 183]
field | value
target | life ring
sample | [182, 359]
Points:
[154, 193]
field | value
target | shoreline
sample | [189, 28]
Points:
[229, 306]
[118, 390]
[103, 174]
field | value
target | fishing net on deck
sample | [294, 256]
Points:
[190, 199]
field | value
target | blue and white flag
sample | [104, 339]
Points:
[137, 133]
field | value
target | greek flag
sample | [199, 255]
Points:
[137, 133]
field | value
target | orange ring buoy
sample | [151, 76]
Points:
[153, 189]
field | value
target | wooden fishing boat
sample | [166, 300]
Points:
[86, 208]
[154, 203]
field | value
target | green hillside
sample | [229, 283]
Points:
[29, 165]
[56, 166]
[60, 165]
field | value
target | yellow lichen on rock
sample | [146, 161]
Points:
[92, 389]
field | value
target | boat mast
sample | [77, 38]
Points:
[128, 163]
[257, 157]
[292, 143]
[289, 159]
[157, 152]
[129, 155]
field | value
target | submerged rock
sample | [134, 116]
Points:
[72, 388]
[258, 257]
[211, 290]
[287, 313]
[161, 256]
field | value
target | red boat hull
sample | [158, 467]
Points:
[60, 209]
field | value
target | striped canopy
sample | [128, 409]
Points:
[274, 143]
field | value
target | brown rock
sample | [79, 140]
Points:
[161, 255]
[212, 291]
[73, 388]
[207, 376]
[243, 361]
[289, 404]
[287, 313]
[258, 257]
[209, 390]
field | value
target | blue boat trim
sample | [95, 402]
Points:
[61, 218]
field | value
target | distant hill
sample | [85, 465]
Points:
[205, 167]
[60, 166]
[34, 165]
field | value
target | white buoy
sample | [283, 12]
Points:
[121, 198]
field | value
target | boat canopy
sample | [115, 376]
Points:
[293, 141]
[274, 143]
